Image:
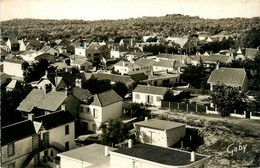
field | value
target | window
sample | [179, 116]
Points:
[95, 113]
[67, 145]
[158, 98]
[67, 130]
[137, 96]
[10, 149]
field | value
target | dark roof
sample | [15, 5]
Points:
[66, 76]
[17, 131]
[112, 77]
[35, 43]
[169, 63]
[232, 76]
[106, 98]
[151, 89]
[166, 156]
[139, 76]
[212, 58]
[81, 94]
[145, 62]
[17, 61]
[159, 124]
[55, 119]
[14, 40]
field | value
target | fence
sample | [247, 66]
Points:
[184, 106]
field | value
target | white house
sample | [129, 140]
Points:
[150, 156]
[106, 105]
[30, 56]
[168, 66]
[13, 67]
[149, 94]
[234, 77]
[81, 65]
[56, 132]
[81, 51]
[124, 67]
[159, 132]
[118, 52]
[22, 45]
[94, 155]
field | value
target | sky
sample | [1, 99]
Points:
[121, 9]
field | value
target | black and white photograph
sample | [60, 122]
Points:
[130, 83]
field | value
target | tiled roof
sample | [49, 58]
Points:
[212, 58]
[181, 42]
[139, 76]
[161, 155]
[126, 64]
[145, 62]
[17, 131]
[37, 98]
[31, 100]
[81, 62]
[151, 89]
[81, 94]
[112, 77]
[14, 40]
[171, 56]
[106, 98]
[159, 124]
[231, 76]
[55, 119]
[169, 64]
[17, 61]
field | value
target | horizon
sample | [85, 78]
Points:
[91, 10]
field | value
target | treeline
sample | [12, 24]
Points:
[169, 25]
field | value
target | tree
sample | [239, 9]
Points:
[196, 76]
[135, 110]
[227, 99]
[120, 88]
[10, 101]
[95, 85]
[113, 133]
[251, 38]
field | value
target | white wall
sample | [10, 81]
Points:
[72, 163]
[121, 69]
[143, 98]
[80, 51]
[114, 54]
[13, 69]
[160, 68]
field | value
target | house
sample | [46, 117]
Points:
[56, 133]
[168, 66]
[81, 65]
[182, 58]
[127, 43]
[185, 45]
[17, 143]
[161, 78]
[159, 132]
[234, 77]
[251, 52]
[146, 65]
[39, 103]
[144, 155]
[52, 51]
[149, 94]
[94, 155]
[124, 67]
[14, 67]
[127, 80]
[22, 45]
[212, 59]
[83, 95]
[118, 51]
[33, 45]
[13, 44]
[133, 55]
[49, 57]
[106, 105]
[30, 56]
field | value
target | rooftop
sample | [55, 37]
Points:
[106, 98]
[161, 155]
[112, 77]
[151, 89]
[232, 76]
[81, 94]
[93, 154]
[159, 124]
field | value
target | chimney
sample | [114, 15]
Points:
[217, 66]
[130, 143]
[145, 118]
[46, 72]
[31, 117]
[123, 63]
[79, 83]
[106, 151]
[66, 91]
[63, 107]
[192, 156]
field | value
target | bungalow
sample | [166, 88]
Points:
[149, 94]
[144, 155]
[30, 56]
[234, 77]
[133, 55]
[184, 45]
[106, 105]
[182, 58]
[124, 67]
[118, 51]
[52, 51]
[146, 65]
[159, 132]
[81, 65]
[94, 155]
[169, 66]
[13, 44]
[212, 59]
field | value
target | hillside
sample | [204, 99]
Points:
[169, 25]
